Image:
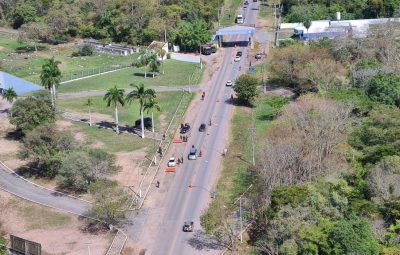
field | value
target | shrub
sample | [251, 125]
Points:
[29, 113]
[86, 50]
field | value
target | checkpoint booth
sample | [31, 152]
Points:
[234, 35]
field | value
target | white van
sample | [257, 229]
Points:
[239, 19]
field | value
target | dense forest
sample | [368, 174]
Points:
[129, 21]
[302, 10]
[329, 172]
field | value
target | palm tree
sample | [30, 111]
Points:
[154, 63]
[9, 95]
[161, 52]
[142, 60]
[51, 77]
[143, 96]
[152, 106]
[89, 104]
[115, 97]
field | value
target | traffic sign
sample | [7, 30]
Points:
[251, 69]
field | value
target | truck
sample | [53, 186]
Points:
[208, 48]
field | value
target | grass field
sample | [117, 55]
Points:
[124, 142]
[176, 73]
[28, 65]
[129, 113]
[38, 217]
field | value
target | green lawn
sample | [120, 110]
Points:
[176, 73]
[28, 65]
[128, 114]
[126, 142]
[110, 141]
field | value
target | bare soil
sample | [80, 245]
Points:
[57, 232]
[131, 170]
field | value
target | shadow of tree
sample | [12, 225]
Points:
[201, 241]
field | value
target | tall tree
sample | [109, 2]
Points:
[154, 63]
[51, 77]
[143, 96]
[115, 97]
[9, 95]
[192, 34]
[246, 88]
[161, 52]
[152, 106]
[143, 61]
[89, 104]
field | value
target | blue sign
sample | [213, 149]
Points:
[251, 69]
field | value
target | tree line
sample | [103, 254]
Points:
[137, 22]
[305, 10]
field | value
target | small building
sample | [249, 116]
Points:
[333, 28]
[20, 86]
[156, 45]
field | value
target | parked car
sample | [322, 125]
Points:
[237, 58]
[192, 153]
[246, 2]
[172, 162]
[229, 83]
[258, 55]
[147, 123]
[202, 127]
[188, 226]
[185, 128]
[239, 53]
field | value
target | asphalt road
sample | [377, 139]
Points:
[184, 203]
[13, 184]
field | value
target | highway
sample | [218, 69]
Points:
[184, 203]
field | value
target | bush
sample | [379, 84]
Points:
[246, 88]
[81, 168]
[353, 236]
[45, 146]
[292, 195]
[31, 48]
[385, 88]
[86, 50]
[29, 113]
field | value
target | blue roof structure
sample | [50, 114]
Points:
[234, 30]
[20, 86]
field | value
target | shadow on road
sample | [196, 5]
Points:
[201, 241]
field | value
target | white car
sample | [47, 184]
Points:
[229, 83]
[172, 162]
[237, 58]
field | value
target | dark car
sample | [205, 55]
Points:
[239, 53]
[185, 128]
[188, 226]
[202, 127]
[258, 56]
[246, 3]
[147, 123]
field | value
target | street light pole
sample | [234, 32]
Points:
[241, 220]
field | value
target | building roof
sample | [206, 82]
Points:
[156, 44]
[336, 27]
[20, 86]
